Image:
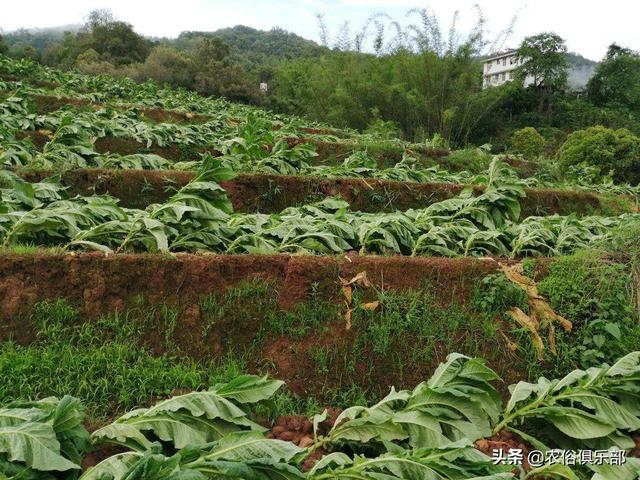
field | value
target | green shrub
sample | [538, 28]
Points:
[592, 291]
[474, 160]
[553, 140]
[495, 294]
[528, 143]
[383, 129]
[616, 151]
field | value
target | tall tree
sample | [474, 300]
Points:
[217, 74]
[114, 40]
[617, 79]
[99, 17]
[545, 60]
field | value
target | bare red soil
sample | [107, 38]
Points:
[50, 103]
[274, 193]
[298, 430]
[99, 284]
[505, 441]
[636, 451]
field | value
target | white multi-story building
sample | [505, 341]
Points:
[500, 68]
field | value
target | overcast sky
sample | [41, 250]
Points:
[588, 26]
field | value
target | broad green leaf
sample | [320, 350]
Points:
[361, 430]
[335, 459]
[555, 471]
[124, 434]
[607, 409]
[15, 416]
[570, 379]
[424, 430]
[317, 420]
[627, 365]
[247, 446]
[112, 468]
[521, 391]
[428, 399]
[208, 403]
[576, 423]
[34, 444]
[249, 388]
[630, 470]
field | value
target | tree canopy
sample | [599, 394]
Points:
[617, 79]
[546, 60]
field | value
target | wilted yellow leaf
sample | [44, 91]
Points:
[527, 322]
[372, 306]
[347, 291]
[347, 319]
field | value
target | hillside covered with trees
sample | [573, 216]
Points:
[417, 83]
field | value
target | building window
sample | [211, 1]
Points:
[504, 62]
[497, 61]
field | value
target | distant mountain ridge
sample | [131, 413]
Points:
[276, 42]
[71, 27]
[256, 44]
[254, 47]
[38, 38]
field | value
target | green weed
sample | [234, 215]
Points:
[495, 294]
[102, 363]
[313, 315]
[593, 293]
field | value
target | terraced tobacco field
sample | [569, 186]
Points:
[158, 246]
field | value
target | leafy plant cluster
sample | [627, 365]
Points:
[199, 217]
[528, 142]
[41, 436]
[427, 432]
[253, 144]
[104, 89]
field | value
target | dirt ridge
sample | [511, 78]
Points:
[99, 284]
[273, 193]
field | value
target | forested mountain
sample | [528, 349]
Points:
[277, 43]
[33, 42]
[256, 46]
[258, 51]
[252, 47]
